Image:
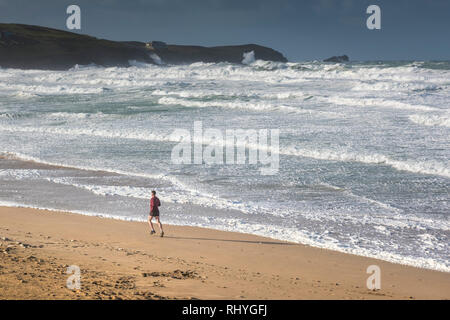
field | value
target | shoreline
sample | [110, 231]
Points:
[131, 219]
[120, 260]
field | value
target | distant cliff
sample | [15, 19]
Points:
[234, 54]
[35, 47]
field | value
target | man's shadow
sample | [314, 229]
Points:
[230, 240]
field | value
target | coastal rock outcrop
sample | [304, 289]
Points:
[338, 59]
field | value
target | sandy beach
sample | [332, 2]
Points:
[120, 260]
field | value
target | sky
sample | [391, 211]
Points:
[300, 29]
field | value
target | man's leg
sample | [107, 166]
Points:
[159, 223]
[150, 223]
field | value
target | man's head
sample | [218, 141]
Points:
[153, 193]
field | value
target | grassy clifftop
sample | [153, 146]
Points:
[29, 47]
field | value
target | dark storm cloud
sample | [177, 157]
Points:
[308, 29]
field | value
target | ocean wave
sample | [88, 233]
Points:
[25, 157]
[94, 80]
[34, 90]
[251, 105]
[15, 115]
[93, 132]
[420, 167]
[397, 86]
[191, 194]
[187, 195]
[431, 120]
[386, 215]
[376, 102]
[248, 94]
[20, 174]
[256, 105]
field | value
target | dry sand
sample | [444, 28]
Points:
[120, 260]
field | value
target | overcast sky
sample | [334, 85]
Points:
[301, 30]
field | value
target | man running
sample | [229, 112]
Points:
[154, 212]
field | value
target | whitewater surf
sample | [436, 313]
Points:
[363, 149]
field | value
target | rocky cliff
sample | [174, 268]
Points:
[35, 47]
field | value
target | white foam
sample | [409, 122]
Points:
[24, 157]
[421, 167]
[95, 132]
[28, 91]
[414, 166]
[19, 174]
[235, 94]
[189, 194]
[442, 120]
[376, 102]
[256, 106]
[156, 58]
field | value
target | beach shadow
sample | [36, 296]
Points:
[230, 240]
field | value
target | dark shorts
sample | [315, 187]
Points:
[154, 213]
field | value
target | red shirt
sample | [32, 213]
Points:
[154, 204]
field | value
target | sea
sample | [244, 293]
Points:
[363, 150]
